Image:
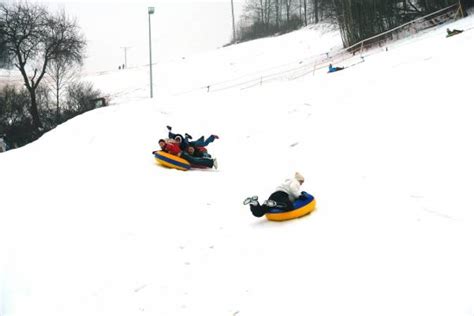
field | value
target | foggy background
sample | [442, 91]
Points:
[179, 29]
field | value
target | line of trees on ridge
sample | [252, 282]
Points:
[356, 19]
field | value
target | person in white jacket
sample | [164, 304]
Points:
[283, 197]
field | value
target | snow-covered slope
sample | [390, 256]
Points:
[90, 225]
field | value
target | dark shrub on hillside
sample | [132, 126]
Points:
[16, 125]
[80, 97]
[15, 121]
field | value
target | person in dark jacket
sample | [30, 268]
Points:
[186, 140]
[183, 141]
[283, 197]
[201, 142]
[453, 32]
[198, 152]
[200, 161]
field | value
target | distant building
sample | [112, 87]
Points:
[99, 102]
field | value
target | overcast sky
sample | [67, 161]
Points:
[179, 28]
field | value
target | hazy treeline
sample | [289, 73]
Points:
[47, 49]
[267, 17]
[357, 19]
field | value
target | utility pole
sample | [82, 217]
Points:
[233, 19]
[151, 10]
[125, 51]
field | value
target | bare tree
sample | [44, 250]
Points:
[63, 69]
[81, 97]
[305, 9]
[60, 75]
[277, 13]
[315, 10]
[3, 47]
[288, 12]
[34, 38]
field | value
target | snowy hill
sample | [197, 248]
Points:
[90, 225]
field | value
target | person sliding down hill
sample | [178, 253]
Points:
[283, 197]
[174, 149]
[334, 69]
[201, 142]
[169, 146]
[182, 141]
[200, 152]
[453, 32]
[186, 140]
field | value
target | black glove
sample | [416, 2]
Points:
[168, 127]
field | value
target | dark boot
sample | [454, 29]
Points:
[258, 210]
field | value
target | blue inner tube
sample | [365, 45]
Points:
[298, 203]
